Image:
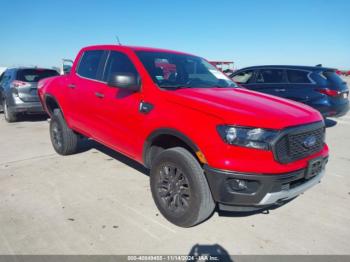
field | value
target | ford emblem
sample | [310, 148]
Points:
[309, 141]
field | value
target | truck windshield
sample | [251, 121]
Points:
[173, 71]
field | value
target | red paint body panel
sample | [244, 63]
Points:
[116, 121]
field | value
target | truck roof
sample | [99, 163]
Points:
[133, 48]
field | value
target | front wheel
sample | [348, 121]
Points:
[180, 189]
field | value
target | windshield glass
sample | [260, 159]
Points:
[172, 71]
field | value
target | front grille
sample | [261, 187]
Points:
[291, 146]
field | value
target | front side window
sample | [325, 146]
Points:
[298, 77]
[270, 76]
[244, 77]
[90, 63]
[118, 63]
[34, 75]
[173, 70]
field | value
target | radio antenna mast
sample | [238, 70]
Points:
[118, 40]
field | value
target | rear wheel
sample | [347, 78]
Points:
[63, 139]
[9, 115]
[180, 189]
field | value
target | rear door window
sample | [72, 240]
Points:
[2, 78]
[298, 77]
[90, 64]
[118, 63]
[270, 76]
[34, 75]
[6, 76]
[244, 77]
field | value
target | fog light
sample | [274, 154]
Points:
[238, 184]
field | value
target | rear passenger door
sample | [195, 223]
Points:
[270, 81]
[300, 87]
[83, 92]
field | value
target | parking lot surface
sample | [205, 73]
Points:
[99, 202]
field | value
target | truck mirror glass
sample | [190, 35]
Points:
[128, 81]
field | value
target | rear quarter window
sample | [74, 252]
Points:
[298, 77]
[34, 75]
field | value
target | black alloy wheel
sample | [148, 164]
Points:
[174, 189]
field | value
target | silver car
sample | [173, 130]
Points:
[18, 91]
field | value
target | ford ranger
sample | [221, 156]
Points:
[206, 141]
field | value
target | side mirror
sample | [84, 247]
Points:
[66, 70]
[67, 65]
[128, 81]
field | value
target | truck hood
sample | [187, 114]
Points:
[237, 106]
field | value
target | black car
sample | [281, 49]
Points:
[18, 91]
[316, 86]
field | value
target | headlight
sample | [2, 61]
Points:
[248, 137]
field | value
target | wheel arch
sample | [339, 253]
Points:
[169, 137]
[50, 104]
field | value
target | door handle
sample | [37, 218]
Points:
[72, 86]
[99, 95]
[280, 90]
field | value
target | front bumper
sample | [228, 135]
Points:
[275, 197]
[262, 190]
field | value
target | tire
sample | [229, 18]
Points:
[63, 139]
[180, 189]
[10, 117]
[152, 154]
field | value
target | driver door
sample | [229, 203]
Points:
[118, 114]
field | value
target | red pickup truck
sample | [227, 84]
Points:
[205, 141]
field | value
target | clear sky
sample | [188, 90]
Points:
[249, 32]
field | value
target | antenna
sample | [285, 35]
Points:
[118, 40]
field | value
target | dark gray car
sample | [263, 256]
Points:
[18, 91]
